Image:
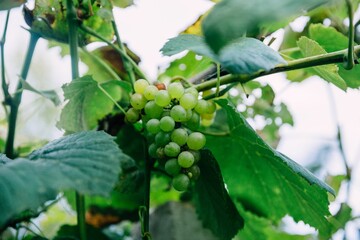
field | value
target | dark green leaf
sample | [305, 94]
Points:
[255, 171]
[327, 72]
[4, 159]
[88, 162]
[232, 19]
[212, 201]
[68, 232]
[48, 94]
[87, 103]
[247, 56]
[187, 42]
[8, 4]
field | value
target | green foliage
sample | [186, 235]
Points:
[88, 102]
[8, 4]
[69, 232]
[48, 94]
[88, 162]
[255, 171]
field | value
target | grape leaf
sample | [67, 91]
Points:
[231, 19]
[212, 201]
[8, 4]
[332, 40]
[87, 103]
[88, 162]
[329, 72]
[123, 3]
[266, 182]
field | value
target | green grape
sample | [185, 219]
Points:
[188, 101]
[140, 85]
[162, 98]
[153, 126]
[176, 90]
[153, 150]
[138, 101]
[186, 159]
[172, 167]
[150, 92]
[201, 106]
[193, 172]
[192, 91]
[189, 114]
[132, 115]
[181, 182]
[196, 141]
[160, 153]
[162, 138]
[178, 113]
[179, 136]
[194, 122]
[211, 108]
[153, 110]
[196, 155]
[171, 149]
[167, 124]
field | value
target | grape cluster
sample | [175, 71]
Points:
[171, 117]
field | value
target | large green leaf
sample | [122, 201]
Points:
[87, 103]
[88, 162]
[8, 4]
[329, 72]
[231, 19]
[266, 182]
[332, 40]
[212, 201]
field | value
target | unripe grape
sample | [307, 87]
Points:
[176, 90]
[211, 108]
[153, 150]
[181, 182]
[193, 172]
[167, 124]
[201, 106]
[132, 115]
[194, 122]
[153, 126]
[172, 167]
[179, 136]
[150, 92]
[178, 113]
[188, 101]
[192, 91]
[138, 101]
[162, 138]
[186, 159]
[160, 153]
[162, 98]
[140, 85]
[189, 114]
[172, 149]
[153, 110]
[196, 141]
[196, 155]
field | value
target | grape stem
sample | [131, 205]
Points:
[318, 60]
[146, 208]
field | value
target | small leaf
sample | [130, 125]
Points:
[255, 171]
[48, 94]
[123, 3]
[87, 103]
[327, 72]
[8, 4]
[248, 55]
[212, 201]
[187, 42]
[88, 162]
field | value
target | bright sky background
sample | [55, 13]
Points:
[146, 27]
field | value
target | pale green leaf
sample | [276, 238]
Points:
[328, 72]
[88, 162]
[266, 182]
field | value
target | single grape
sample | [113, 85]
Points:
[171, 149]
[179, 136]
[172, 167]
[208, 116]
[138, 101]
[176, 90]
[160, 153]
[132, 115]
[201, 106]
[160, 86]
[211, 108]
[178, 113]
[140, 85]
[186, 159]
[188, 101]
[153, 150]
[193, 172]
[162, 138]
[167, 124]
[181, 182]
[192, 91]
[153, 126]
[153, 110]
[162, 98]
[150, 92]
[207, 122]
[196, 141]
[194, 122]
[189, 113]
[196, 155]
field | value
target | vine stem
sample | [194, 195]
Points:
[146, 217]
[7, 97]
[72, 21]
[16, 99]
[313, 61]
[349, 64]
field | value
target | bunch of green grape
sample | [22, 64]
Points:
[171, 117]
